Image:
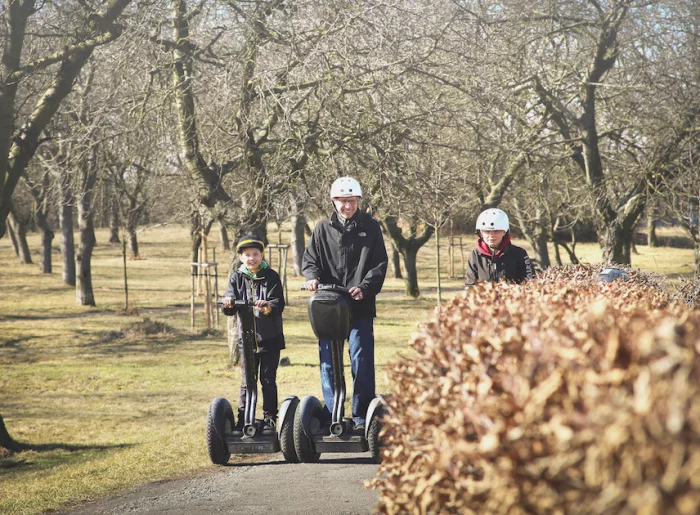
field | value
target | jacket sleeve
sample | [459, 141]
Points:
[231, 287]
[471, 274]
[311, 261]
[373, 280]
[528, 271]
[275, 294]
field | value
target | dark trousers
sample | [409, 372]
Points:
[266, 364]
[361, 348]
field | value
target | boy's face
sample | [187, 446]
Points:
[492, 238]
[251, 257]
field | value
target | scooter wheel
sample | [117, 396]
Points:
[309, 409]
[221, 415]
[287, 433]
[373, 441]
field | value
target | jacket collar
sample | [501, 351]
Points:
[259, 274]
[486, 250]
[355, 220]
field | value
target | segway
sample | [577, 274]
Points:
[222, 439]
[329, 314]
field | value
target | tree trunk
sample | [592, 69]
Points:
[46, 239]
[408, 247]
[20, 228]
[298, 242]
[114, 219]
[13, 238]
[652, 238]
[396, 262]
[696, 272]
[83, 259]
[6, 440]
[410, 256]
[65, 219]
[223, 236]
[616, 245]
[133, 242]
[557, 254]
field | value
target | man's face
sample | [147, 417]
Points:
[346, 206]
[493, 238]
[251, 257]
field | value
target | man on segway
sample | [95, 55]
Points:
[347, 249]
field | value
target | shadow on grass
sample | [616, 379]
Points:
[21, 457]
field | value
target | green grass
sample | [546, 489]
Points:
[98, 409]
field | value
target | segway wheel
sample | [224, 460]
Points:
[287, 433]
[302, 442]
[373, 441]
[221, 413]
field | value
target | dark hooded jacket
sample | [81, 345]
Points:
[508, 263]
[265, 284]
[349, 255]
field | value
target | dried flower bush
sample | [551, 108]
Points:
[563, 395]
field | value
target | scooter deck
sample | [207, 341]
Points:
[252, 445]
[341, 443]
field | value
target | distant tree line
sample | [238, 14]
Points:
[575, 116]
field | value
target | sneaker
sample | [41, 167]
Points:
[359, 425]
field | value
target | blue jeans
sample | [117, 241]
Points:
[361, 348]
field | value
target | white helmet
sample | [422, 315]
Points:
[492, 220]
[345, 187]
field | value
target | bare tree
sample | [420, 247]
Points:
[89, 30]
[40, 193]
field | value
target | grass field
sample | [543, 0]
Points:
[98, 406]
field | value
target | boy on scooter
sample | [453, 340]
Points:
[256, 282]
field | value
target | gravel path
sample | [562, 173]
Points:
[334, 485]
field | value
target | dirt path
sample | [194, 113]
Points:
[334, 485]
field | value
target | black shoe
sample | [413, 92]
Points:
[238, 428]
[359, 426]
[269, 426]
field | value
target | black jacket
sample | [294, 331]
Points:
[349, 256]
[267, 286]
[510, 264]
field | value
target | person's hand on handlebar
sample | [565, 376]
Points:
[355, 293]
[265, 306]
[228, 302]
[311, 284]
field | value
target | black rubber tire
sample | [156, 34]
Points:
[302, 443]
[217, 448]
[373, 441]
[287, 433]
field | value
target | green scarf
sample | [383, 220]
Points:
[253, 275]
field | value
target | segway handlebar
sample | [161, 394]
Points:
[329, 287]
[237, 304]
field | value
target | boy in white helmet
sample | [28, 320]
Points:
[495, 258]
[348, 249]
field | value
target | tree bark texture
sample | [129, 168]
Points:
[19, 226]
[83, 258]
[114, 218]
[65, 220]
[298, 242]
